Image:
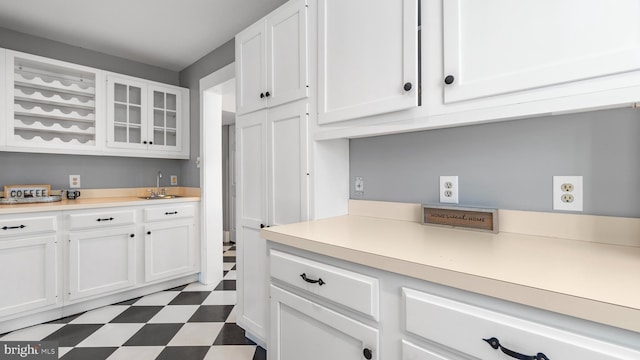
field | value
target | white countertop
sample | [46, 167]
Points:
[89, 203]
[589, 280]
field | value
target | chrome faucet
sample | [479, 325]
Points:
[158, 177]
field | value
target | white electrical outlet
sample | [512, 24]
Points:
[74, 181]
[359, 186]
[449, 189]
[567, 193]
[174, 179]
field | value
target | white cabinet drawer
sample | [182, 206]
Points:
[169, 212]
[27, 225]
[102, 218]
[476, 332]
[413, 352]
[347, 288]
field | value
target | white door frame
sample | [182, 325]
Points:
[211, 229]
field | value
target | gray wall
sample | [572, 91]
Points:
[13, 40]
[190, 78]
[509, 165]
[95, 171]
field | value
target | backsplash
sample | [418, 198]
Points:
[509, 165]
[95, 171]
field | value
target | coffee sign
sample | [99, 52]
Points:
[26, 191]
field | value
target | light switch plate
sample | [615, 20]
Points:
[74, 181]
[359, 186]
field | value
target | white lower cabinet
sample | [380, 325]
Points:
[302, 329]
[324, 315]
[170, 242]
[28, 263]
[27, 273]
[488, 335]
[169, 250]
[414, 352]
[101, 261]
[93, 257]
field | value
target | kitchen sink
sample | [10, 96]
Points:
[161, 197]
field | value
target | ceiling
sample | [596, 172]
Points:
[171, 34]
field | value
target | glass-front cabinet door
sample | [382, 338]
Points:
[127, 113]
[164, 132]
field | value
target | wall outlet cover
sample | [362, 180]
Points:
[449, 189]
[174, 179]
[567, 193]
[74, 181]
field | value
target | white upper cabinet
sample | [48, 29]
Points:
[499, 46]
[126, 113]
[52, 106]
[272, 59]
[146, 117]
[367, 58]
[251, 77]
[165, 129]
[3, 113]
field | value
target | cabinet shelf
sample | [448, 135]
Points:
[55, 128]
[52, 140]
[167, 129]
[39, 96]
[39, 111]
[45, 83]
[127, 125]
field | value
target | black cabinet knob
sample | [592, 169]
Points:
[407, 86]
[267, 94]
[262, 226]
[261, 95]
[144, 142]
[132, 235]
[449, 79]
[148, 232]
[367, 354]
[150, 142]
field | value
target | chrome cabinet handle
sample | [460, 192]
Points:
[319, 281]
[495, 343]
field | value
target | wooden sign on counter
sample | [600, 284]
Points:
[461, 217]
[26, 191]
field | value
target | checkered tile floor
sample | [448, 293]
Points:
[190, 322]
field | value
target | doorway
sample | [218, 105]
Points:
[217, 115]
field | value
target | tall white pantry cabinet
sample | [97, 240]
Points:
[278, 169]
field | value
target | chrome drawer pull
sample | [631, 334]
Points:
[14, 227]
[305, 278]
[105, 219]
[495, 343]
[171, 213]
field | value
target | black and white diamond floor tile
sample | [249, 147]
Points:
[193, 321]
